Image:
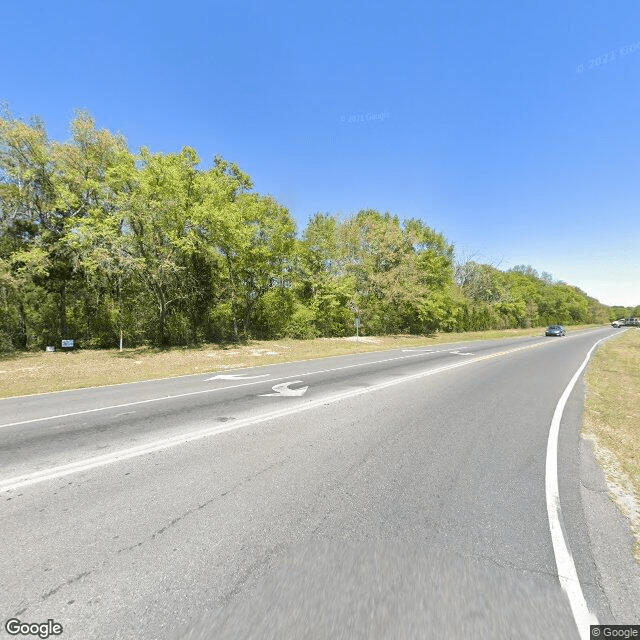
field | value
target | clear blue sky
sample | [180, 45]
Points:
[513, 128]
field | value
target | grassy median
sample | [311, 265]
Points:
[612, 420]
[28, 373]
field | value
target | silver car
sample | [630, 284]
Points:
[555, 330]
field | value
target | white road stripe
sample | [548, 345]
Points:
[19, 482]
[564, 560]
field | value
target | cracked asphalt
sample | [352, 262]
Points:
[413, 510]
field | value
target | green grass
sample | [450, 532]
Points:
[612, 420]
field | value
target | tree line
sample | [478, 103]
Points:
[97, 241]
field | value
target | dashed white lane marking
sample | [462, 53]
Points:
[564, 560]
[18, 482]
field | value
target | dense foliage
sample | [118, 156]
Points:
[96, 241]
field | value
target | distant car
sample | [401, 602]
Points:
[632, 322]
[555, 330]
[618, 323]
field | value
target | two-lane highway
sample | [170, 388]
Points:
[391, 494]
[45, 431]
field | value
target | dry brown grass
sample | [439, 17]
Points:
[29, 373]
[612, 421]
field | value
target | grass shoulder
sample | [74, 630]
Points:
[612, 421]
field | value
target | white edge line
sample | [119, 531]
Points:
[567, 573]
[19, 482]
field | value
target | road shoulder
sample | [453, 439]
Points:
[611, 541]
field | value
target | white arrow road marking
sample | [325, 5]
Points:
[236, 376]
[460, 353]
[282, 389]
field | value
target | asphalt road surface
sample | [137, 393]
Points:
[396, 494]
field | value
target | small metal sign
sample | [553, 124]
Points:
[357, 323]
[67, 344]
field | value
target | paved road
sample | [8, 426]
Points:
[401, 495]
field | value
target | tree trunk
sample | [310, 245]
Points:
[162, 319]
[23, 331]
[63, 311]
[234, 307]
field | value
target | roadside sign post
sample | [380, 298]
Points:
[357, 323]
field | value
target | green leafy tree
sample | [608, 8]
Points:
[251, 237]
[33, 226]
[323, 284]
[403, 274]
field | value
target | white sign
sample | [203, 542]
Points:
[67, 344]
